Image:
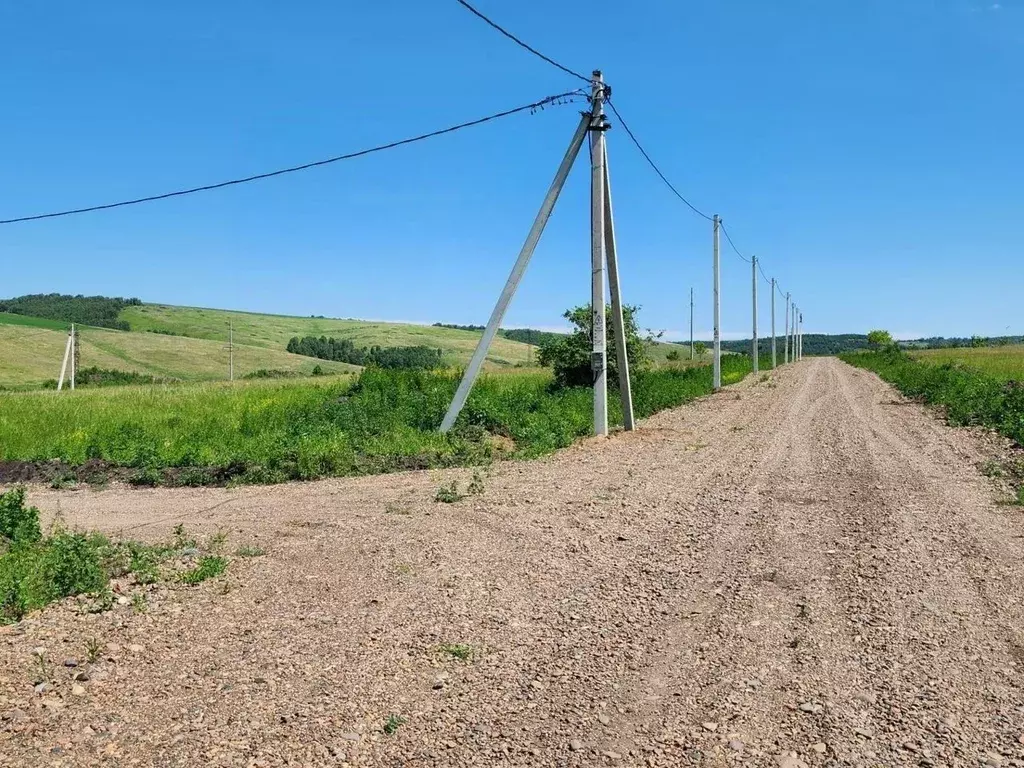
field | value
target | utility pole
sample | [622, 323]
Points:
[754, 350]
[775, 354]
[801, 347]
[787, 329]
[691, 322]
[74, 354]
[619, 329]
[793, 330]
[231, 351]
[716, 375]
[603, 256]
[598, 339]
[516, 275]
[64, 364]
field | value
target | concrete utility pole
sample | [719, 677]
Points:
[787, 329]
[231, 351]
[775, 354]
[801, 347]
[753, 343]
[691, 322]
[64, 364]
[621, 353]
[793, 330]
[74, 354]
[516, 275]
[598, 339]
[716, 375]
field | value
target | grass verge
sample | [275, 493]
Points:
[283, 430]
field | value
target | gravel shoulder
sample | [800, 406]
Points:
[806, 571]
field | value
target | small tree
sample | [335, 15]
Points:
[880, 339]
[673, 355]
[700, 348]
[569, 356]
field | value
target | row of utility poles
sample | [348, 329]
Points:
[794, 330]
[604, 275]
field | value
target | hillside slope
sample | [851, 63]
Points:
[274, 331]
[31, 355]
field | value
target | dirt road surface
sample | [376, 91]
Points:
[803, 572]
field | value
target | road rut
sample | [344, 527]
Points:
[803, 571]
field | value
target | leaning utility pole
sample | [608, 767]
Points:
[619, 329]
[691, 322]
[775, 355]
[716, 371]
[602, 239]
[64, 364]
[753, 344]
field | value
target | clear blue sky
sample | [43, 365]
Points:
[869, 152]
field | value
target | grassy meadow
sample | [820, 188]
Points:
[270, 431]
[1006, 363]
[274, 331]
[31, 355]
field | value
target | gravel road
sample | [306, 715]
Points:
[801, 572]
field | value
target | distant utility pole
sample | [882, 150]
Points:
[801, 347]
[231, 351]
[753, 343]
[775, 355]
[716, 375]
[691, 322]
[787, 329]
[75, 354]
[793, 330]
[603, 256]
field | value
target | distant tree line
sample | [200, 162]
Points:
[100, 311]
[525, 335]
[345, 351]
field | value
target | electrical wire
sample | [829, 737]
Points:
[519, 42]
[729, 238]
[294, 169]
[653, 165]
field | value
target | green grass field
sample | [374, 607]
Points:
[6, 318]
[274, 331]
[278, 430]
[31, 355]
[1007, 363]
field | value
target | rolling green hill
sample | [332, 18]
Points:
[30, 355]
[274, 331]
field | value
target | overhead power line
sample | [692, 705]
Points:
[653, 165]
[729, 238]
[519, 42]
[303, 167]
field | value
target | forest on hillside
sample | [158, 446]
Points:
[101, 311]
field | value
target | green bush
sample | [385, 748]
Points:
[18, 524]
[570, 356]
[36, 570]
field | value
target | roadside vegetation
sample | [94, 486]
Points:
[273, 431]
[968, 394]
[38, 568]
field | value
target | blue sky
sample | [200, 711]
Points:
[869, 153]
